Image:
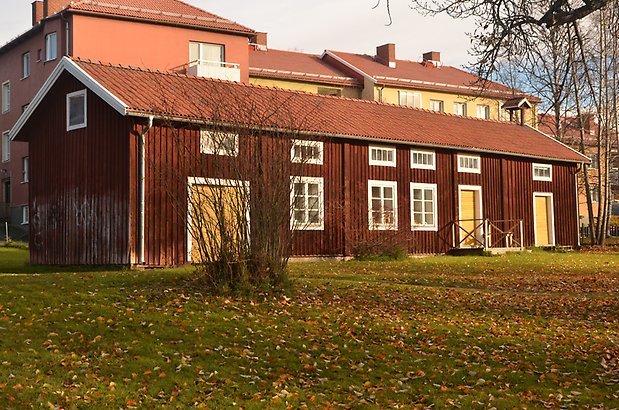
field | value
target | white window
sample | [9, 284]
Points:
[423, 207]
[423, 159]
[306, 152]
[410, 99]
[51, 47]
[542, 172]
[437, 105]
[6, 97]
[25, 162]
[25, 215]
[77, 110]
[219, 143]
[307, 201]
[207, 53]
[383, 205]
[6, 146]
[483, 111]
[460, 109]
[382, 156]
[26, 65]
[469, 163]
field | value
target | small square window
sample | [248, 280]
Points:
[306, 152]
[384, 156]
[423, 159]
[219, 143]
[51, 47]
[469, 163]
[542, 172]
[483, 111]
[437, 105]
[25, 215]
[6, 97]
[460, 108]
[77, 111]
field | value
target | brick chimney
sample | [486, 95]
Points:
[52, 7]
[37, 12]
[385, 54]
[433, 57]
[259, 40]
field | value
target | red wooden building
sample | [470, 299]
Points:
[374, 171]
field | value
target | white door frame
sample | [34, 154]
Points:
[479, 209]
[551, 217]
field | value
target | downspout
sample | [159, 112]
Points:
[66, 33]
[142, 189]
[578, 169]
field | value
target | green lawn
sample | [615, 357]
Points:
[526, 330]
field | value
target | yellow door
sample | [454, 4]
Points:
[542, 221]
[468, 219]
[218, 218]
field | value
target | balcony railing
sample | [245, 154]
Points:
[214, 69]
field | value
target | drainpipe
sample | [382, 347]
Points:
[66, 33]
[142, 188]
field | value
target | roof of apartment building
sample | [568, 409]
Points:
[185, 98]
[571, 128]
[429, 75]
[296, 66]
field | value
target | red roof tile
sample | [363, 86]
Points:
[162, 11]
[291, 65]
[183, 97]
[426, 76]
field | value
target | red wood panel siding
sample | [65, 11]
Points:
[79, 183]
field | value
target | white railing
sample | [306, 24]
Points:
[215, 69]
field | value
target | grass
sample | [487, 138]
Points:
[525, 330]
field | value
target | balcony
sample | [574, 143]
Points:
[215, 69]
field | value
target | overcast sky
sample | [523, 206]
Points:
[313, 26]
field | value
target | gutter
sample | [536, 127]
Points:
[142, 189]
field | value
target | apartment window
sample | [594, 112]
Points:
[25, 65]
[307, 199]
[423, 207]
[25, 215]
[437, 105]
[77, 110]
[460, 109]
[469, 163]
[6, 146]
[39, 55]
[382, 198]
[595, 161]
[382, 156]
[542, 172]
[410, 99]
[51, 47]
[306, 152]
[219, 143]
[483, 112]
[25, 169]
[335, 92]
[595, 194]
[423, 159]
[6, 97]
[207, 53]
[6, 194]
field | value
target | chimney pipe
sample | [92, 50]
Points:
[385, 54]
[37, 12]
[259, 40]
[52, 7]
[433, 57]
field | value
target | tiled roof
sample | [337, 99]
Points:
[162, 11]
[289, 65]
[426, 76]
[193, 98]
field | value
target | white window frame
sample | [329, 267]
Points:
[25, 170]
[382, 226]
[84, 124]
[410, 94]
[486, 114]
[51, 46]
[25, 215]
[440, 103]
[25, 65]
[305, 143]
[551, 217]
[382, 162]
[297, 226]
[469, 170]
[424, 226]
[542, 166]
[6, 147]
[464, 108]
[207, 143]
[423, 152]
[6, 97]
